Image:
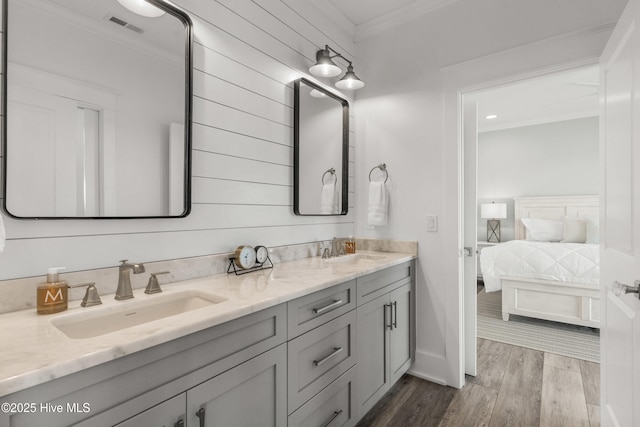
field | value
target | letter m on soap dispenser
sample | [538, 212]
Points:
[53, 295]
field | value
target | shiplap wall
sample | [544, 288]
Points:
[246, 55]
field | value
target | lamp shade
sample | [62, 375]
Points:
[324, 66]
[493, 210]
[349, 80]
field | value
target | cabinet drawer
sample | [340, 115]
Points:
[311, 311]
[333, 406]
[319, 357]
[373, 285]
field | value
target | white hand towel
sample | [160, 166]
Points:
[328, 199]
[2, 234]
[378, 203]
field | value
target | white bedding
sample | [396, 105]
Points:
[562, 262]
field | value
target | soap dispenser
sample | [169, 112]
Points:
[52, 295]
[350, 245]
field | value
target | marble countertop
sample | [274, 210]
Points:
[35, 351]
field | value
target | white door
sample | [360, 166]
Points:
[620, 221]
[45, 126]
[470, 263]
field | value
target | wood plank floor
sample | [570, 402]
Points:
[515, 386]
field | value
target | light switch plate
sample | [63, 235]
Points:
[432, 223]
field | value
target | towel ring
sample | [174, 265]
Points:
[383, 168]
[332, 171]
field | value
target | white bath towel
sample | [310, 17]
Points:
[328, 199]
[378, 203]
[2, 234]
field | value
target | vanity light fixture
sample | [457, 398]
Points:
[142, 7]
[325, 67]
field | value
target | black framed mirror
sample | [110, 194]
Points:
[321, 151]
[97, 101]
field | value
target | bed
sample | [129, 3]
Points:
[549, 280]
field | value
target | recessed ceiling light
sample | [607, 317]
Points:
[491, 116]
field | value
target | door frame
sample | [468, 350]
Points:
[465, 308]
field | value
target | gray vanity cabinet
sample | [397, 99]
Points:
[144, 384]
[251, 394]
[385, 343]
[323, 359]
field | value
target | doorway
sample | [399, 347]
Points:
[548, 123]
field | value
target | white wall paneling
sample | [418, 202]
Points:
[246, 56]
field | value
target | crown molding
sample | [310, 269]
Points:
[399, 16]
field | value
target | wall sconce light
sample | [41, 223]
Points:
[493, 213]
[325, 67]
[142, 7]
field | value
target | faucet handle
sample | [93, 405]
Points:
[91, 297]
[123, 261]
[153, 287]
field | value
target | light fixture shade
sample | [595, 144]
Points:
[350, 80]
[324, 66]
[493, 210]
[142, 7]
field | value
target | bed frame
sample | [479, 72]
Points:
[574, 303]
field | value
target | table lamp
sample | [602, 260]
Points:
[493, 213]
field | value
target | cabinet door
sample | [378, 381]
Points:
[373, 376]
[401, 332]
[251, 394]
[167, 414]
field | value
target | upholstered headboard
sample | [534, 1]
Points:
[553, 207]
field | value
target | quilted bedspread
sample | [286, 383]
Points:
[562, 262]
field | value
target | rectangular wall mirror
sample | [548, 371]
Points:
[97, 102]
[321, 151]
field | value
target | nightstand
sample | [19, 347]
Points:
[480, 245]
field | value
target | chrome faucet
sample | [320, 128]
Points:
[124, 290]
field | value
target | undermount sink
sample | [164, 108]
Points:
[96, 321]
[354, 258]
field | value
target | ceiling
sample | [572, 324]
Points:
[563, 96]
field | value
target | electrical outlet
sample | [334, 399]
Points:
[432, 223]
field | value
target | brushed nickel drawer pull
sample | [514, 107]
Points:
[201, 416]
[335, 351]
[333, 417]
[390, 324]
[395, 314]
[334, 304]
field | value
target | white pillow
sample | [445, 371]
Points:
[593, 230]
[543, 230]
[574, 230]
